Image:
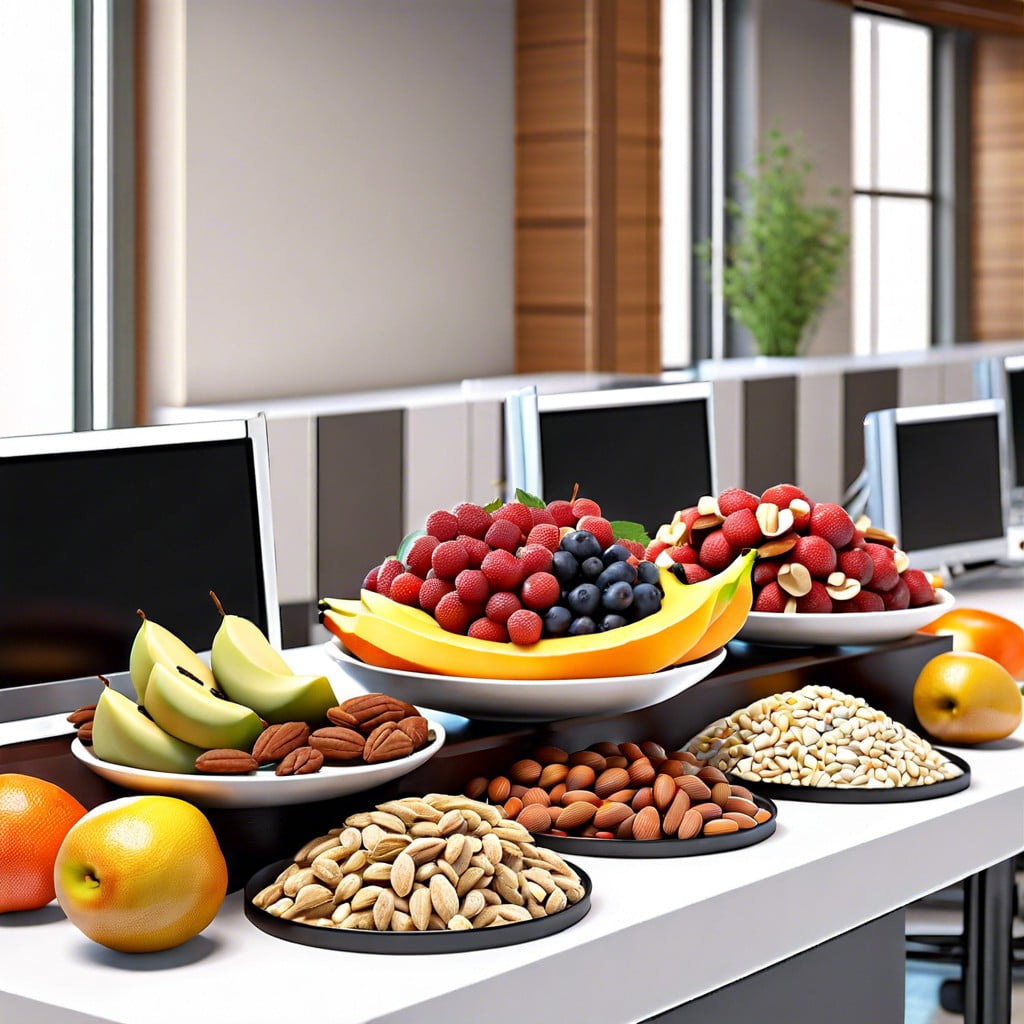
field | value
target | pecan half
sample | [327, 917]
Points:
[301, 761]
[373, 709]
[337, 743]
[416, 728]
[387, 743]
[84, 714]
[339, 716]
[224, 761]
[277, 741]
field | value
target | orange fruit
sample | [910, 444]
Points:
[973, 629]
[142, 873]
[35, 816]
[963, 697]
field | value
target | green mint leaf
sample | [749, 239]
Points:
[494, 505]
[407, 542]
[624, 530]
[530, 500]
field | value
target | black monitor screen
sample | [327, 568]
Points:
[1015, 400]
[640, 463]
[949, 481]
[89, 537]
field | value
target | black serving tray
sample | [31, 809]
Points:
[391, 943]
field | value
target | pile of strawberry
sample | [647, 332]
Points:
[488, 572]
[812, 557]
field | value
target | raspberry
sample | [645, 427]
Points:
[546, 534]
[405, 588]
[816, 601]
[452, 614]
[654, 549]
[504, 534]
[816, 554]
[486, 629]
[501, 605]
[684, 554]
[541, 515]
[833, 523]
[540, 591]
[732, 499]
[418, 558]
[884, 575]
[561, 512]
[476, 549]
[857, 540]
[432, 591]
[634, 547]
[517, 513]
[716, 552]
[695, 573]
[389, 569]
[856, 564]
[772, 598]
[897, 597]
[765, 573]
[741, 528]
[472, 587]
[472, 519]
[534, 558]
[783, 494]
[865, 601]
[585, 507]
[442, 525]
[524, 627]
[370, 579]
[448, 559]
[502, 569]
[599, 527]
[920, 588]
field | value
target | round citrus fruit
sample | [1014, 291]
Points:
[35, 816]
[963, 697]
[973, 629]
[141, 874]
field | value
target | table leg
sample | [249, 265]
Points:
[988, 931]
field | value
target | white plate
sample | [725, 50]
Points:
[842, 627]
[263, 788]
[529, 700]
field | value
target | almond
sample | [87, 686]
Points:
[300, 761]
[671, 767]
[513, 805]
[610, 781]
[84, 733]
[630, 751]
[337, 743]
[616, 761]
[581, 776]
[720, 826]
[536, 795]
[224, 761]
[710, 774]
[605, 748]
[641, 772]
[647, 824]
[763, 815]
[737, 803]
[476, 788]
[556, 793]
[654, 751]
[695, 788]
[674, 815]
[572, 796]
[526, 772]
[743, 820]
[708, 810]
[575, 815]
[622, 796]
[277, 741]
[664, 791]
[552, 775]
[550, 755]
[535, 818]
[644, 798]
[84, 714]
[692, 824]
[624, 830]
[499, 789]
[720, 793]
[610, 815]
[589, 759]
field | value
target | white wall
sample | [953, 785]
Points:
[346, 209]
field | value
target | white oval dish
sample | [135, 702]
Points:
[842, 627]
[262, 788]
[529, 700]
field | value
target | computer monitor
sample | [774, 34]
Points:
[1003, 378]
[937, 480]
[642, 452]
[97, 524]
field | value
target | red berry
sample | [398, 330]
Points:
[503, 570]
[685, 554]
[816, 554]
[772, 598]
[471, 585]
[654, 549]
[585, 507]
[865, 601]
[732, 499]
[405, 589]
[634, 547]
[816, 601]
[765, 573]
[801, 514]
[473, 520]
[453, 614]
[919, 586]
[541, 515]
[448, 559]
[389, 569]
[517, 513]
[716, 552]
[420, 551]
[370, 579]
[561, 512]
[741, 528]
[501, 605]
[432, 591]
[476, 549]
[524, 627]
[546, 534]
[486, 629]
[856, 564]
[884, 575]
[442, 525]
[504, 534]
[783, 494]
[695, 573]
[857, 541]
[599, 527]
[540, 591]
[534, 558]
[833, 523]
[897, 597]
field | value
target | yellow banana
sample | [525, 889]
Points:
[732, 605]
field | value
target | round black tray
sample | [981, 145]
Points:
[582, 846]
[860, 794]
[354, 941]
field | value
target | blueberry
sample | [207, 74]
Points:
[611, 621]
[646, 599]
[615, 573]
[615, 553]
[617, 597]
[565, 567]
[583, 624]
[556, 620]
[584, 599]
[582, 543]
[592, 568]
[647, 572]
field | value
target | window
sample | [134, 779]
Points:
[894, 195]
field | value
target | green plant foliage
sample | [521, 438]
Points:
[788, 253]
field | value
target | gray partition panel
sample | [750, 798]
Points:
[360, 468]
[864, 392]
[769, 432]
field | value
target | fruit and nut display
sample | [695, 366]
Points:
[431, 864]
[811, 556]
[818, 737]
[623, 791]
[528, 590]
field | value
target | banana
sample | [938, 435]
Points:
[154, 645]
[377, 625]
[122, 734]
[251, 672]
[188, 710]
[732, 606]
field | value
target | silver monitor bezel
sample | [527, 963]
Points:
[992, 382]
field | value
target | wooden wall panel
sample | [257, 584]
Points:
[551, 89]
[551, 179]
[551, 267]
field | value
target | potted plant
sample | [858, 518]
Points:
[784, 263]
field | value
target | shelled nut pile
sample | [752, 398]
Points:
[820, 736]
[432, 864]
[620, 791]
